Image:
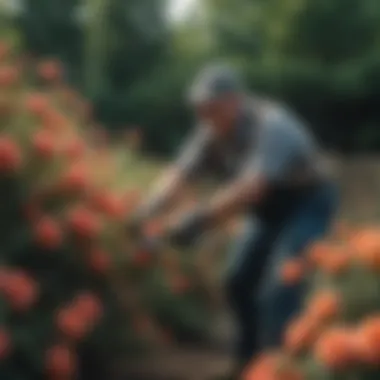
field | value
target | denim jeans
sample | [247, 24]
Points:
[283, 228]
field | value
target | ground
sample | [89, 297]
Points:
[359, 202]
[190, 362]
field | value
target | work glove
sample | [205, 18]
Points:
[188, 230]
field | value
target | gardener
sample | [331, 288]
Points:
[272, 173]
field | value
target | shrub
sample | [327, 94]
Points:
[75, 293]
[337, 334]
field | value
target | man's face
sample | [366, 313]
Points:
[221, 114]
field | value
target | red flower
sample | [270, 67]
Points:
[75, 179]
[44, 144]
[37, 104]
[20, 290]
[48, 233]
[109, 204]
[84, 223]
[293, 272]
[263, 368]
[9, 75]
[74, 149]
[72, 324]
[367, 340]
[10, 155]
[335, 348]
[60, 362]
[50, 70]
[88, 306]
[54, 121]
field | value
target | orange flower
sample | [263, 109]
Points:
[335, 348]
[289, 372]
[317, 252]
[50, 70]
[367, 341]
[60, 362]
[109, 204]
[292, 272]
[84, 223]
[88, 306]
[72, 324]
[74, 149]
[301, 334]
[263, 368]
[20, 290]
[48, 233]
[367, 247]
[336, 262]
[324, 306]
[54, 121]
[44, 144]
[9, 75]
[76, 178]
[10, 155]
[37, 104]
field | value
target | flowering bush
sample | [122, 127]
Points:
[337, 335]
[73, 289]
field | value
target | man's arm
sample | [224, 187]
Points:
[164, 192]
[188, 165]
[264, 166]
[233, 198]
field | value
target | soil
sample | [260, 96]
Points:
[184, 362]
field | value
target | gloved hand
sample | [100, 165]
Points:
[186, 232]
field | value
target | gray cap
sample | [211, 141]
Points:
[213, 82]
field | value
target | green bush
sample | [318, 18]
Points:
[75, 293]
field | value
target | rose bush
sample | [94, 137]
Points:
[74, 290]
[337, 335]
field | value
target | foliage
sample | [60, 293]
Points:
[321, 57]
[76, 293]
[336, 336]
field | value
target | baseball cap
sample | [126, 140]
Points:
[213, 82]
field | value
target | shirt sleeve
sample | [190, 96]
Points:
[192, 156]
[274, 153]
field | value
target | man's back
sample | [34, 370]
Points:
[265, 135]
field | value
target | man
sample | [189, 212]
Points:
[272, 173]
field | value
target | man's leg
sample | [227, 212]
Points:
[248, 258]
[278, 302]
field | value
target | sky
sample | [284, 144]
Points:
[180, 8]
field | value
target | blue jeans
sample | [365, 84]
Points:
[284, 226]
